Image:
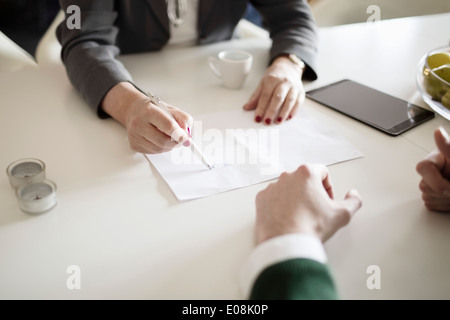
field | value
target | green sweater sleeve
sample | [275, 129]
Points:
[295, 279]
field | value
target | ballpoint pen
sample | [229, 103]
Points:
[159, 103]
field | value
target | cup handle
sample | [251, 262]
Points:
[213, 65]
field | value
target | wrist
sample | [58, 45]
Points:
[261, 237]
[291, 60]
[119, 99]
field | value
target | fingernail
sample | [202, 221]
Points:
[268, 121]
[279, 119]
[290, 117]
[187, 143]
[258, 119]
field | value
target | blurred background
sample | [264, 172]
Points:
[335, 12]
[26, 21]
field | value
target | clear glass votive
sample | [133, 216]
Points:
[25, 170]
[36, 196]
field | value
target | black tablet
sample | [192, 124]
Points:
[372, 107]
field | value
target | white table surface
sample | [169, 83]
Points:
[119, 222]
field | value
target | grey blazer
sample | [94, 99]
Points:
[89, 53]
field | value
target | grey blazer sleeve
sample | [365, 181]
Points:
[89, 53]
[292, 29]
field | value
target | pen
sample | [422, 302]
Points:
[158, 102]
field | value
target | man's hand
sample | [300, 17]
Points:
[435, 172]
[303, 202]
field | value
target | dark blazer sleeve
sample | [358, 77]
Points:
[295, 279]
[89, 54]
[292, 29]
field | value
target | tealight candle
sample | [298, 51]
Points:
[25, 170]
[36, 196]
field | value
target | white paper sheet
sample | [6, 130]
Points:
[245, 153]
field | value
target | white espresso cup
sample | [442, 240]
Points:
[232, 66]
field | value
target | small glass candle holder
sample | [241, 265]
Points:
[36, 196]
[25, 170]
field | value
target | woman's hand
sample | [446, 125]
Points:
[149, 128]
[279, 94]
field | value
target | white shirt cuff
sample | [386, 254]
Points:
[279, 249]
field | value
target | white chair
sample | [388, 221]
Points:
[48, 50]
[13, 57]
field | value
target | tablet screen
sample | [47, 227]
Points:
[373, 107]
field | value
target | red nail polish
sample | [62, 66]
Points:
[290, 117]
[279, 119]
[268, 121]
[258, 119]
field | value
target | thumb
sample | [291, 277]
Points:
[352, 202]
[442, 141]
[344, 212]
[252, 103]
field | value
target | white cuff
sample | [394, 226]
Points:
[278, 249]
